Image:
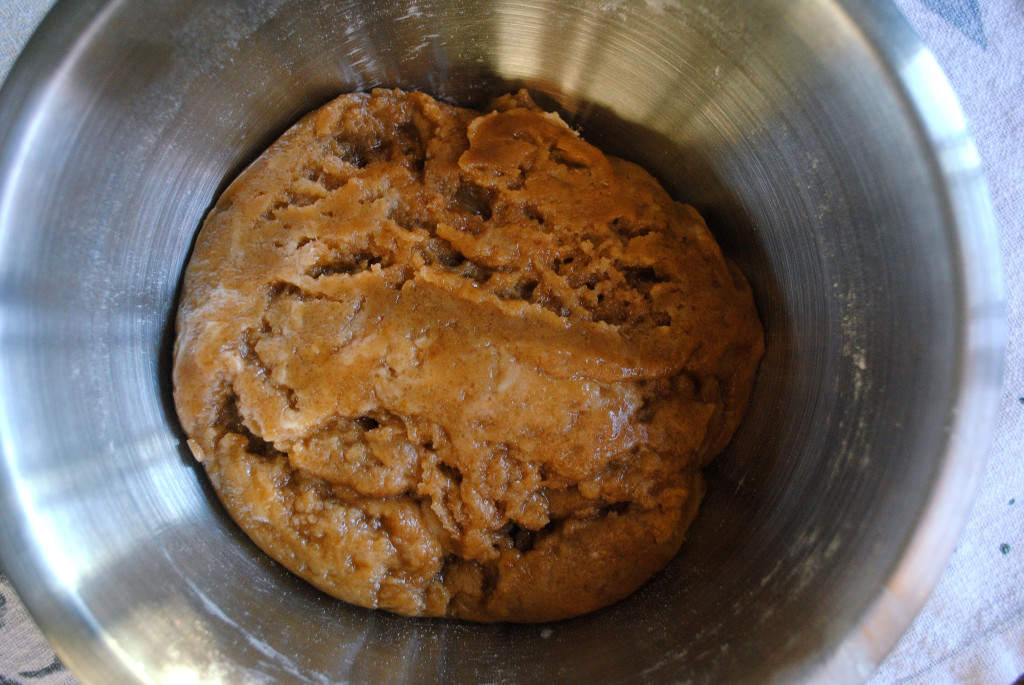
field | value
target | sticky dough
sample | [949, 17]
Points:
[447, 363]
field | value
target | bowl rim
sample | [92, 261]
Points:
[942, 132]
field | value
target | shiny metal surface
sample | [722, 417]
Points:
[819, 139]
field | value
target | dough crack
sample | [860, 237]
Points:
[230, 421]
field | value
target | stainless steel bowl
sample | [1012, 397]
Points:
[818, 137]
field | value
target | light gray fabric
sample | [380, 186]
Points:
[18, 18]
[972, 629]
[25, 656]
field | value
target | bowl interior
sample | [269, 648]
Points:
[778, 120]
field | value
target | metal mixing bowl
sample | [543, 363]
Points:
[817, 136]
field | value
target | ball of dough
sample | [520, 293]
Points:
[451, 363]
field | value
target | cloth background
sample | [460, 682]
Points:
[972, 629]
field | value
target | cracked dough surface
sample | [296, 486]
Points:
[447, 363]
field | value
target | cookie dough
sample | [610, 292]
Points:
[447, 363]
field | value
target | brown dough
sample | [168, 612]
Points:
[452, 364]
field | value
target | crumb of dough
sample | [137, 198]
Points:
[451, 363]
[196, 449]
